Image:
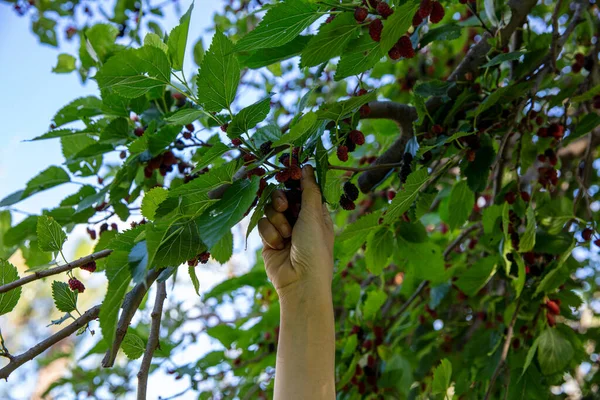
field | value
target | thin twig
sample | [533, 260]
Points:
[161, 295]
[42, 346]
[370, 168]
[132, 302]
[56, 270]
[505, 348]
[459, 239]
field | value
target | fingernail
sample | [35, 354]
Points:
[286, 231]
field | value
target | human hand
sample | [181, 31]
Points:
[304, 253]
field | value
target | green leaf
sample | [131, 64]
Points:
[427, 260]
[349, 346]
[185, 116]
[117, 131]
[478, 171]
[64, 298]
[445, 32]
[585, 125]
[280, 25]
[530, 355]
[460, 204]
[333, 187]
[433, 88]
[24, 229]
[97, 43]
[224, 334]
[249, 117]
[589, 95]
[341, 109]
[405, 198]
[500, 58]
[380, 245]
[375, 300]
[194, 278]
[138, 261]
[65, 64]
[527, 241]
[170, 243]
[424, 203]
[330, 41]
[361, 55]
[554, 351]
[219, 75]
[490, 11]
[178, 40]
[356, 233]
[253, 279]
[8, 274]
[519, 283]
[81, 108]
[301, 129]
[117, 273]
[133, 346]
[442, 376]
[352, 293]
[266, 133]
[265, 57]
[397, 24]
[50, 235]
[152, 200]
[554, 278]
[504, 94]
[215, 222]
[152, 39]
[223, 249]
[198, 52]
[134, 72]
[476, 276]
[213, 153]
[49, 178]
[321, 159]
[259, 210]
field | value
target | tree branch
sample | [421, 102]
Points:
[505, 348]
[42, 346]
[161, 295]
[132, 302]
[473, 60]
[56, 270]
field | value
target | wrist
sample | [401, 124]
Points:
[306, 293]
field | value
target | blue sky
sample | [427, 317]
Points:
[30, 95]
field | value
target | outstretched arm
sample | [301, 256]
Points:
[299, 262]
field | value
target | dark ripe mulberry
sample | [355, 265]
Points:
[92, 233]
[437, 129]
[375, 28]
[425, 8]
[384, 10]
[579, 58]
[265, 148]
[407, 158]
[285, 159]
[123, 155]
[248, 158]
[91, 266]
[203, 257]
[437, 12]
[360, 14]
[190, 127]
[417, 19]
[525, 196]
[349, 144]
[351, 191]
[283, 175]
[586, 234]
[193, 262]
[576, 68]
[295, 173]
[258, 171]
[394, 53]
[510, 197]
[76, 285]
[187, 135]
[471, 155]
[236, 142]
[342, 153]
[139, 131]
[224, 127]
[346, 203]
[103, 228]
[168, 158]
[404, 45]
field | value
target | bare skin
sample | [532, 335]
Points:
[299, 262]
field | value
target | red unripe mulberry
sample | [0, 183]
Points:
[283, 175]
[551, 320]
[295, 173]
[203, 257]
[76, 285]
[437, 12]
[552, 307]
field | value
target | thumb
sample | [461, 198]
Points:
[311, 193]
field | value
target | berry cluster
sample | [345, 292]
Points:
[200, 258]
[582, 62]
[91, 266]
[76, 285]
[164, 163]
[365, 375]
[350, 141]
[349, 197]
[402, 48]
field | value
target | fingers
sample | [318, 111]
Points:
[279, 201]
[279, 221]
[270, 235]
[311, 193]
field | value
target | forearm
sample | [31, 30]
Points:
[306, 350]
